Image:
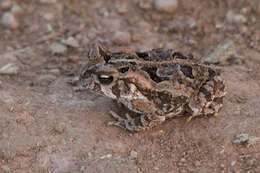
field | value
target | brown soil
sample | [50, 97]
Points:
[45, 126]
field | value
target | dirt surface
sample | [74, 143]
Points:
[46, 126]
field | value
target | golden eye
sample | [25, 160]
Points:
[105, 79]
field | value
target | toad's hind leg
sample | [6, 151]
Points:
[140, 123]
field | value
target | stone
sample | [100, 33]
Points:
[45, 80]
[9, 69]
[233, 17]
[221, 53]
[49, 16]
[168, 6]
[71, 41]
[54, 71]
[241, 138]
[144, 4]
[183, 160]
[5, 169]
[16, 10]
[48, 1]
[258, 9]
[197, 163]
[58, 48]
[5, 4]
[133, 154]
[122, 38]
[122, 8]
[233, 163]
[9, 20]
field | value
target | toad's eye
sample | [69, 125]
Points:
[105, 79]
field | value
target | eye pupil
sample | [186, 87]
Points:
[105, 79]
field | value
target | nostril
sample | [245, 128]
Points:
[124, 69]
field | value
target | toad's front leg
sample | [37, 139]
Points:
[139, 123]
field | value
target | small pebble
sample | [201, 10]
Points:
[251, 162]
[244, 10]
[146, 5]
[90, 155]
[16, 10]
[233, 17]
[48, 1]
[9, 49]
[74, 59]
[49, 16]
[133, 154]
[183, 160]
[197, 163]
[23, 118]
[242, 138]
[45, 80]
[108, 156]
[243, 29]
[6, 98]
[9, 20]
[258, 9]
[122, 8]
[71, 41]
[54, 71]
[49, 27]
[58, 48]
[156, 168]
[245, 139]
[122, 38]
[74, 81]
[176, 26]
[221, 53]
[9, 69]
[60, 128]
[5, 169]
[192, 23]
[6, 4]
[233, 163]
[168, 6]
[136, 37]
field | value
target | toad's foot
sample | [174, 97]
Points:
[128, 123]
[139, 123]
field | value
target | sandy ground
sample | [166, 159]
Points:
[48, 127]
